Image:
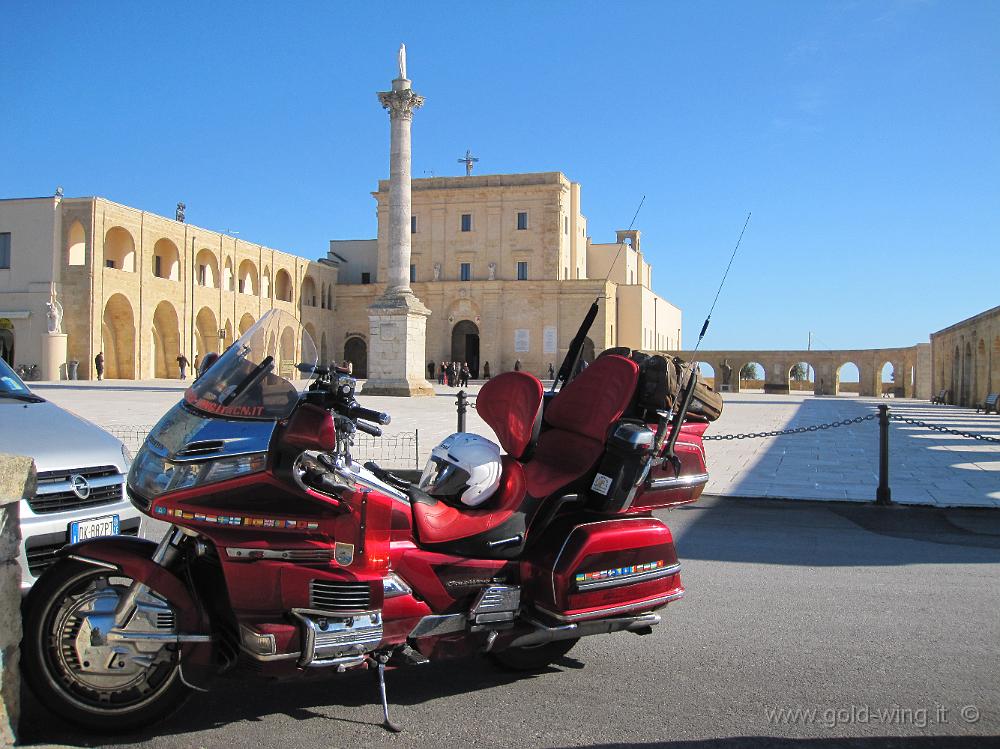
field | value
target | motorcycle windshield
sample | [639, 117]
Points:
[261, 375]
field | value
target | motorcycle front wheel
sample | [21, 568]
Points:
[73, 668]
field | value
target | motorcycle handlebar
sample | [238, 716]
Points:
[368, 414]
[371, 429]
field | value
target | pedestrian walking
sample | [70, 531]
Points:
[441, 373]
[195, 368]
[182, 364]
[453, 373]
[517, 365]
[99, 365]
[466, 373]
[486, 371]
[552, 372]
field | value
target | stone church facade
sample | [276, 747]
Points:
[506, 266]
[142, 288]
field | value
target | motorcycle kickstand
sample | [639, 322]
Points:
[381, 659]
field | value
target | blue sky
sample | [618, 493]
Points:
[863, 136]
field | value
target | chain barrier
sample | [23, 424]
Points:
[946, 430]
[848, 422]
[795, 430]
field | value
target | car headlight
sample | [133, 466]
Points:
[152, 475]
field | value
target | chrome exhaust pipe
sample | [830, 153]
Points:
[544, 634]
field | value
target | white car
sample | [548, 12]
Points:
[81, 475]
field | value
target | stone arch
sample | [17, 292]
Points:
[886, 378]
[118, 332]
[329, 296]
[166, 260]
[322, 296]
[227, 275]
[801, 377]
[283, 286]
[982, 373]
[246, 322]
[7, 344]
[706, 373]
[967, 369]
[465, 345]
[76, 245]
[166, 335]
[227, 341]
[288, 355]
[207, 269]
[265, 283]
[850, 386]
[207, 326]
[356, 352]
[753, 375]
[248, 277]
[119, 249]
[311, 330]
[309, 292]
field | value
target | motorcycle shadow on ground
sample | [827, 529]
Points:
[296, 699]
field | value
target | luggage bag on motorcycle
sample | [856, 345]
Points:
[660, 380]
[594, 569]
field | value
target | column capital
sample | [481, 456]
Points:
[400, 103]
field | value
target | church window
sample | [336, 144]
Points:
[466, 222]
[109, 263]
[413, 274]
[5, 249]
[522, 220]
[465, 271]
[366, 278]
[522, 270]
[413, 224]
[202, 275]
[157, 266]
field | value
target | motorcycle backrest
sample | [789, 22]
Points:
[511, 403]
[596, 398]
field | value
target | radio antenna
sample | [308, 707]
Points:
[704, 327]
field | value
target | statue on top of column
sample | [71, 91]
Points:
[402, 61]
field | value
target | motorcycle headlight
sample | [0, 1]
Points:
[152, 475]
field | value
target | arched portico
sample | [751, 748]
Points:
[207, 326]
[165, 341]
[465, 345]
[118, 333]
[356, 352]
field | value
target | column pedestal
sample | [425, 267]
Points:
[54, 357]
[397, 336]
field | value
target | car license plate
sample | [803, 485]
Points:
[81, 530]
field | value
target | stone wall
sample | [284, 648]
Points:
[17, 480]
[966, 359]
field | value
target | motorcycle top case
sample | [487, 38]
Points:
[609, 567]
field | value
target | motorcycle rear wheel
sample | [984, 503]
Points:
[532, 658]
[99, 687]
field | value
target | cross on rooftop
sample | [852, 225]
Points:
[469, 160]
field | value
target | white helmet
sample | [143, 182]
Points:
[463, 467]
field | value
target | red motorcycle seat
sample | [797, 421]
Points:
[511, 403]
[440, 522]
[579, 418]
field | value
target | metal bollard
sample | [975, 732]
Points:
[463, 406]
[883, 495]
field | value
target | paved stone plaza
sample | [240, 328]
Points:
[926, 467]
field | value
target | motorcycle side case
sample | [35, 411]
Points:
[665, 487]
[605, 567]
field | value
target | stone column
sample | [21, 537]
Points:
[17, 480]
[397, 320]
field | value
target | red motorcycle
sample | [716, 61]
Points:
[287, 558]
